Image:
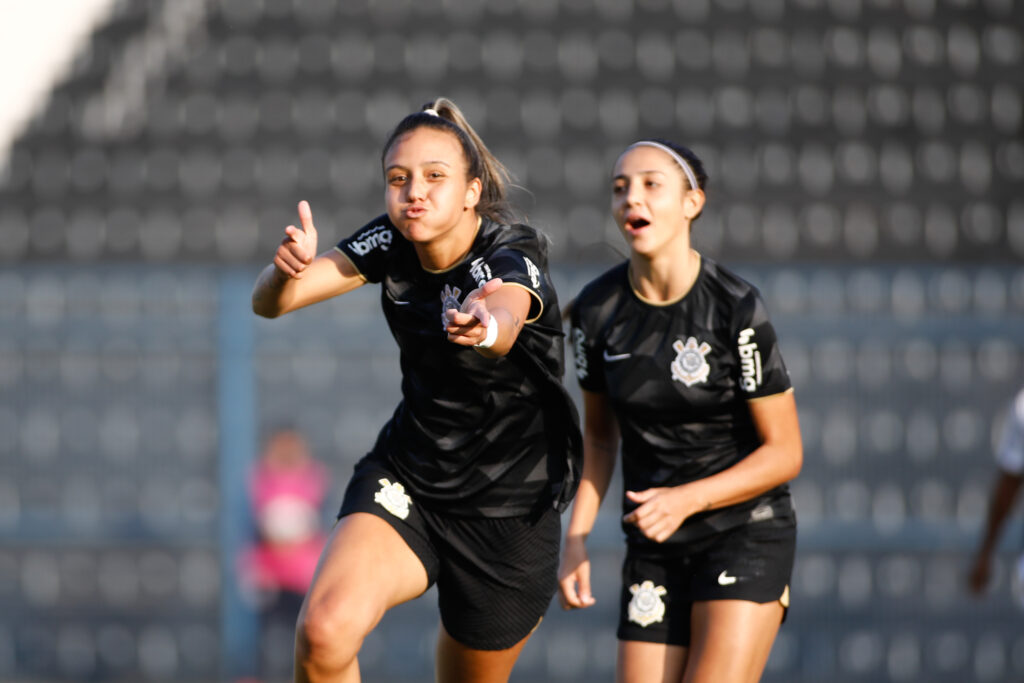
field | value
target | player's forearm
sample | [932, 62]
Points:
[270, 294]
[598, 467]
[509, 325]
[764, 469]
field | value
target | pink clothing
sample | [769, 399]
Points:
[286, 504]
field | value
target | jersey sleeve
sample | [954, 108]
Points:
[368, 247]
[1010, 451]
[514, 266]
[761, 369]
[586, 348]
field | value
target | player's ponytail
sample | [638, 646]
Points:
[442, 114]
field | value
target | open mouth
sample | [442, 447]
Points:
[637, 223]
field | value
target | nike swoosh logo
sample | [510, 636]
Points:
[616, 356]
[397, 302]
[724, 579]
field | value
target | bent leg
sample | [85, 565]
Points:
[457, 663]
[731, 640]
[640, 662]
[365, 569]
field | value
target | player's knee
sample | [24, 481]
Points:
[329, 636]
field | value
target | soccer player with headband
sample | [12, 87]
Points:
[679, 364]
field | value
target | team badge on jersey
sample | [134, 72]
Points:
[690, 366]
[393, 498]
[646, 607]
[449, 299]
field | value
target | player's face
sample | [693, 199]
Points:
[427, 193]
[650, 199]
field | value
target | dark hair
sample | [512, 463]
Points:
[494, 177]
[696, 165]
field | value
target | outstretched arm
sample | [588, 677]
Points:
[298, 277]
[600, 447]
[493, 315]
[777, 460]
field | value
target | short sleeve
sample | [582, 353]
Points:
[586, 349]
[514, 266]
[1010, 451]
[761, 369]
[369, 247]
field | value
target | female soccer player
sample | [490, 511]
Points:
[465, 483]
[676, 356]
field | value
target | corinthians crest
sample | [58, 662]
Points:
[646, 607]
[393, 498]
[690, 366]
[449, 299]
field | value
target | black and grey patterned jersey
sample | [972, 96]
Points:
[678, 377]
[473, 435]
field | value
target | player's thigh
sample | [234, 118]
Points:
[641, 662]
[365, 569]
[731, 640]
[458, 663]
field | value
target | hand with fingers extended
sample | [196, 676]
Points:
[469, 325]
[574, 575]
[298, 248]
[662, 510]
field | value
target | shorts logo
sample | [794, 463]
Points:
[646, 607]
[690, 366]
[393, 498]
[449, 299]
[724, 579]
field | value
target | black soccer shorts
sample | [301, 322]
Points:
[495, 576]
[751, 562]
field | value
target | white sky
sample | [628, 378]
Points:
[37, 43]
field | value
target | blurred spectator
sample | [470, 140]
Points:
[286, 489]
[1010, 460]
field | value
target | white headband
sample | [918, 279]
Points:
[432, 112]
[687, 170]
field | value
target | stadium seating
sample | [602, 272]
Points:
[865, 159]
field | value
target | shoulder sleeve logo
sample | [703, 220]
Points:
[579, 353]
[377, 237]
[533, 271]
[690, 366]
[393, 498]
[646, 607]
[750, 361]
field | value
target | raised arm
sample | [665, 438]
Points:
[600, 447]
[298, 277]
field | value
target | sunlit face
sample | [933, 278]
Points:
[651, 200]
[427, 192]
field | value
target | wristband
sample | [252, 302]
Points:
[492, 335]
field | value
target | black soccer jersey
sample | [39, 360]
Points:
[678, 377]
[473, 435]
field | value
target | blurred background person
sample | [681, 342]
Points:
[1010, 462]
[286, 487]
